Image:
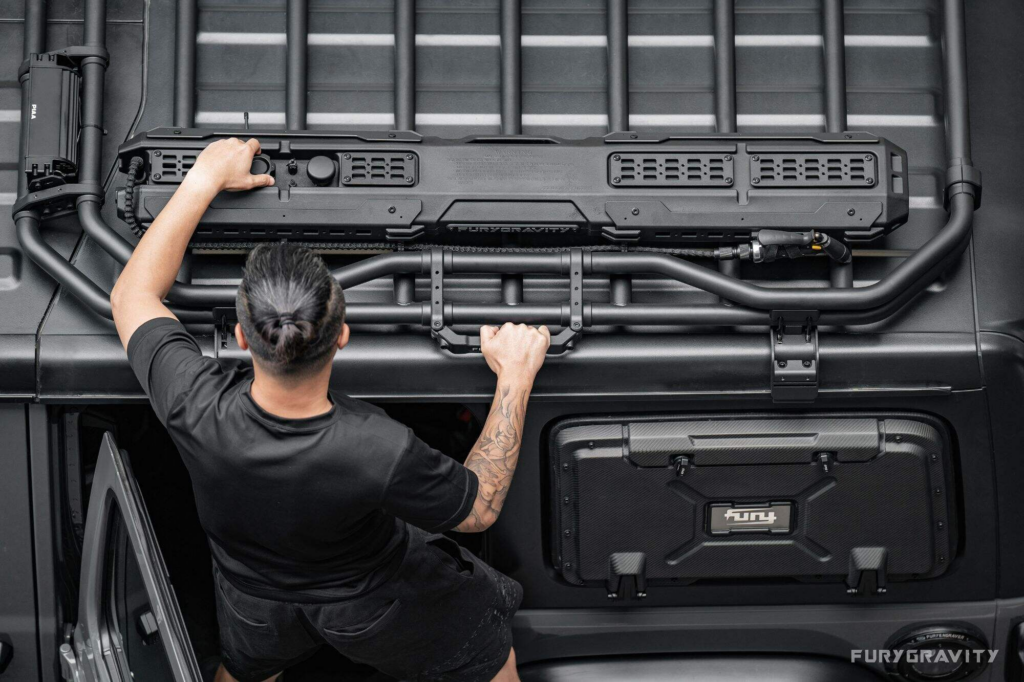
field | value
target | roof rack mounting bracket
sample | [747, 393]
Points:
[794, 355]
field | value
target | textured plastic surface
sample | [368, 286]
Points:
[851, 482]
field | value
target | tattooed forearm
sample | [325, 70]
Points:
[495, 455]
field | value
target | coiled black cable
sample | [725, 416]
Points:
[129, 197]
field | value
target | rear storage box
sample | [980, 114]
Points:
[855, 498]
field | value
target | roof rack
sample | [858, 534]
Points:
[743, 303]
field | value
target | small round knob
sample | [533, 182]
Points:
[321, 170]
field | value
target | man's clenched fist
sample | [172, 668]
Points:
[515, 351]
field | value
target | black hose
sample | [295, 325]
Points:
[129, 197]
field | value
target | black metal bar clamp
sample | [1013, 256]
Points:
[794, 347]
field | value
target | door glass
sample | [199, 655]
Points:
[133, 626]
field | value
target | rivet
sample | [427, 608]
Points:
[391, 209]
[590, 445]
[157, 176]
[851, 212]
[934, 457]
[942, 559]
[408, 181]
[899, 439]
[635, 211]
[565, 500]
[942, 525]
[938, 492]
[567, 532]
[391, 134]
[632, 137]
[565, 467]
[568, 565]
[848, 137]
[867, 157]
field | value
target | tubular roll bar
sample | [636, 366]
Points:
[747, 303]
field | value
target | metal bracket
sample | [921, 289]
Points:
[962, 178]
[454, 342]
[794, 349]
[224, 320]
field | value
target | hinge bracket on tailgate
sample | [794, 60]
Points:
[794, 346]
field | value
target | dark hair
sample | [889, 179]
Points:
[290, 307]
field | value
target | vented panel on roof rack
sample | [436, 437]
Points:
[813, 170]
[170, 167]
[670, 170]
[377, 168]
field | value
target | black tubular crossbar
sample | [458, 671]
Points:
[833, 39]
[748, 303]
[295, 79]
[405, 64]
[185, 63]
[618, 66]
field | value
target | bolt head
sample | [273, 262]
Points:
[633, 137]
[728, 157]
[728, 181]
[848, 137]
[755, 158]
[616, 157]
[807, 363]
[157, 176]
[391, 134]
[408, 157]
[782, 363]
[616, 180]
[346, 179]
[867, 157]
[635, 211]
[851, 212]
[869, 181]
[408, 181]
[391, 209]
[158, 153]
[348, 156]
[756, 181]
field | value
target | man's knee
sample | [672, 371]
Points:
[508, 671]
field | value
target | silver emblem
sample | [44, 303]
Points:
[726, 518]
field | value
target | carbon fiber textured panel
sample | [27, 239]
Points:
[648, 485]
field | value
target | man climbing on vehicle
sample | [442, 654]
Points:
[323, 515]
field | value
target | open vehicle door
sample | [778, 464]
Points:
[129, 624]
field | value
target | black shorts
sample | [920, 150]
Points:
[445, 615]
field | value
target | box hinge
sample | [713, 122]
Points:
[794, 355]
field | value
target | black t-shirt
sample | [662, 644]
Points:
[295, 509]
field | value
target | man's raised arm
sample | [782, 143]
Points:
[515, 353]
[138, 295]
